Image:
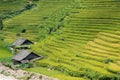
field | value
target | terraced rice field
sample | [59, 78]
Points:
[37, 21]
[7, 7]
[89, 38]
[87, 44]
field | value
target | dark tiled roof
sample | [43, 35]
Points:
[21, 55]
[19, 41]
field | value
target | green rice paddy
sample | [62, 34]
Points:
[79, 39]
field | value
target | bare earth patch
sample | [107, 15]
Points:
[9, 74]
[3, 77]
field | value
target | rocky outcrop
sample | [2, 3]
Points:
[20, 74]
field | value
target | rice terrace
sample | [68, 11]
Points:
[62, 39]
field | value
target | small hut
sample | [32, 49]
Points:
[25, 56]
[21, 42]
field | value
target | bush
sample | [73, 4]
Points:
[23, 31]
[29, 6]
[29, 65]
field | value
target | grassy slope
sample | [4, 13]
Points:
[5, 8]
[10, 6]
[16, 24]
[87, 42]
[53, 73]
[32, 20]
[4, 53]
[90, 37]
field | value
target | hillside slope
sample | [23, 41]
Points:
[78, 38]
[88, 44]
[37, 21]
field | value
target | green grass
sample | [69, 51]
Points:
[4, 51]
[44, 71]
[33, 20]
[10, 6]
[53, 73]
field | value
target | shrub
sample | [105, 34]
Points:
[23, 30]
[29, 65]
[29, 6]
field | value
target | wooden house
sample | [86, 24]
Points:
[26, 56]
[21, 42]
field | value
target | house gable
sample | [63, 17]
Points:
[27, 42]
[31, 56]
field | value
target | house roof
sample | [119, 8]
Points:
[21, 55]
[19, 41]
